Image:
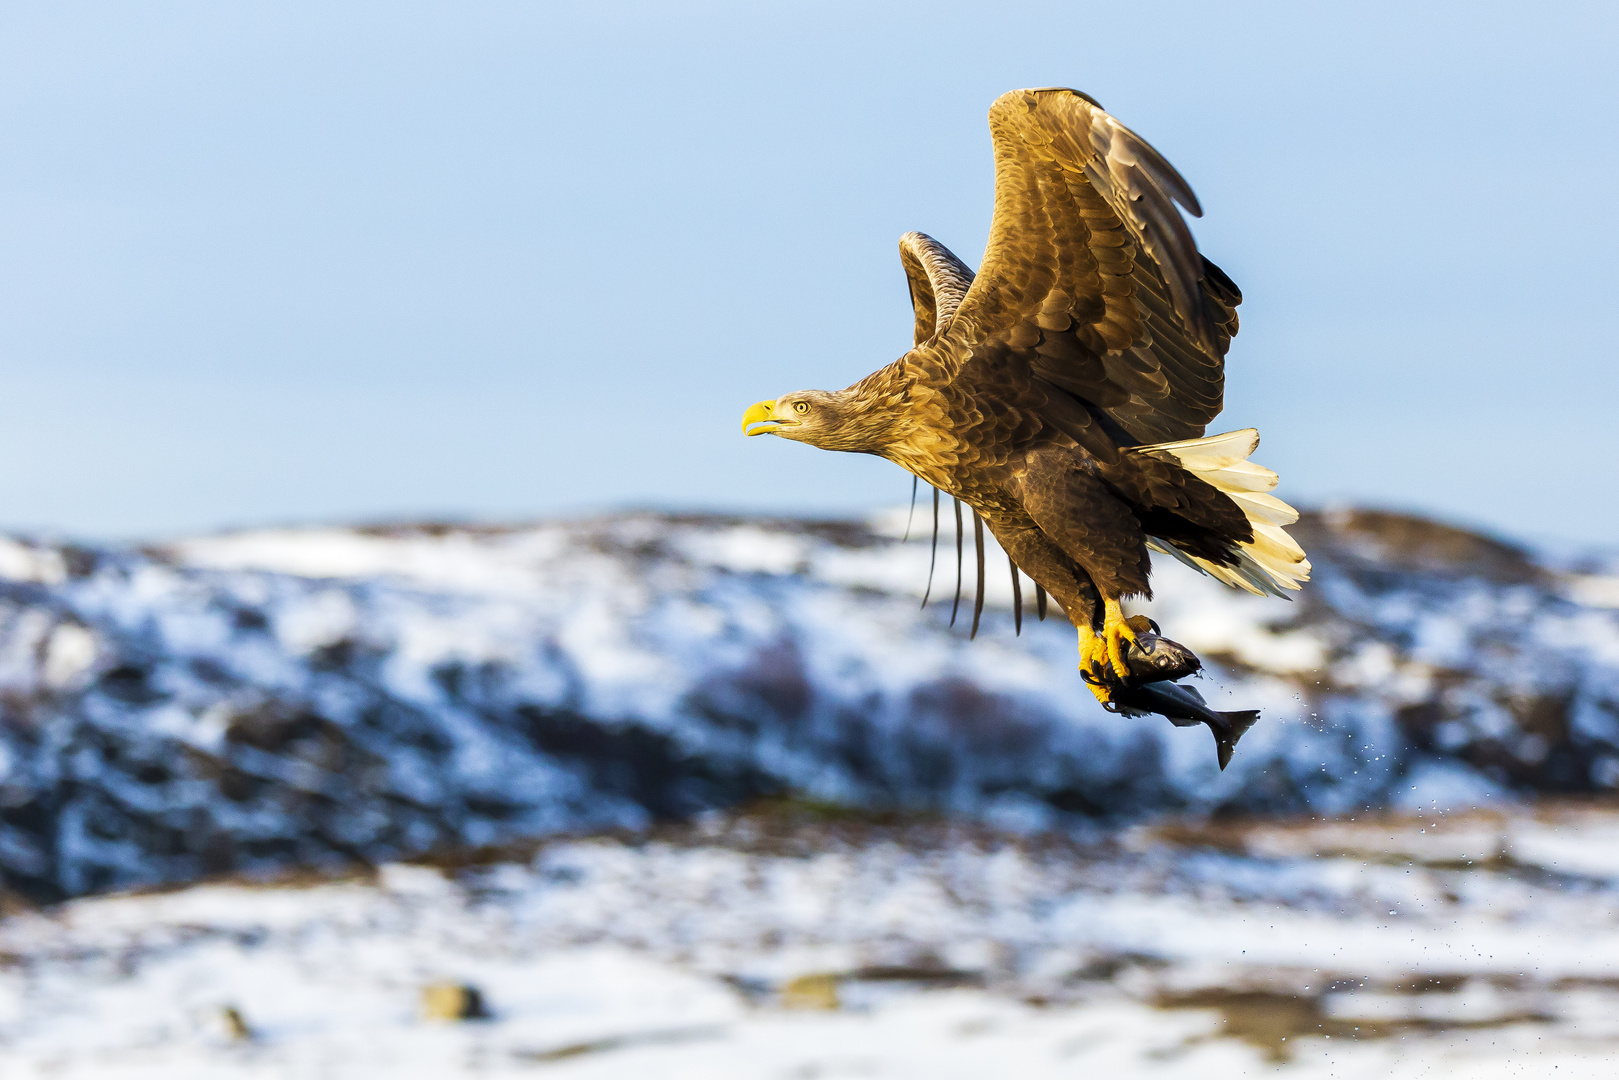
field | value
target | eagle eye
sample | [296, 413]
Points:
[800, 407]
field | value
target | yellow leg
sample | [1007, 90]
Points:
[1093, 664]
[1101, 656]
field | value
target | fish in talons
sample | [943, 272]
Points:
[1156, 663]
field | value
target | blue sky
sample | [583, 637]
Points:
[270, 262]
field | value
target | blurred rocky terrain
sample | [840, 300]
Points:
[350, 695]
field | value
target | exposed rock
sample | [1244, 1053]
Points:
[448, 1001]
[818, 990]
[234, 1025]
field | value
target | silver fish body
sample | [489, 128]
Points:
[1155, 662]
[1185, 707]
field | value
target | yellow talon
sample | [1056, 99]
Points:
[1101, 656]
[1116, 630]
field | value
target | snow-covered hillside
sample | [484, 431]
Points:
[325, 695]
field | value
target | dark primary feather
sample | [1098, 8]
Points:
[1017, 599]
[978, 593]
[933, 556]
[956, 605]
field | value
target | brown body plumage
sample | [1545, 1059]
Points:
[1062, 392]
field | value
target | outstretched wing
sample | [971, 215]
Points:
[1091, 276]
[939, 281]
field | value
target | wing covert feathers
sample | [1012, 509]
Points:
[1272, 561]
[938, 282]
[1091, 276]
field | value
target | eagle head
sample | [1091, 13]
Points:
[830, 420]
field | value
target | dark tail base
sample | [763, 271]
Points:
[1233, 726]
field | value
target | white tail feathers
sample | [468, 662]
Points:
[1272, 561]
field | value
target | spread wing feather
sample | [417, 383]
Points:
[938, 282]
[1091, 277]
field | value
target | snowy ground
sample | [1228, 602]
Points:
[793, 943]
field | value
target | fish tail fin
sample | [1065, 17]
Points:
[1272, 561]
[1235, 725]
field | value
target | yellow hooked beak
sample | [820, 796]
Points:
[762, 413]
